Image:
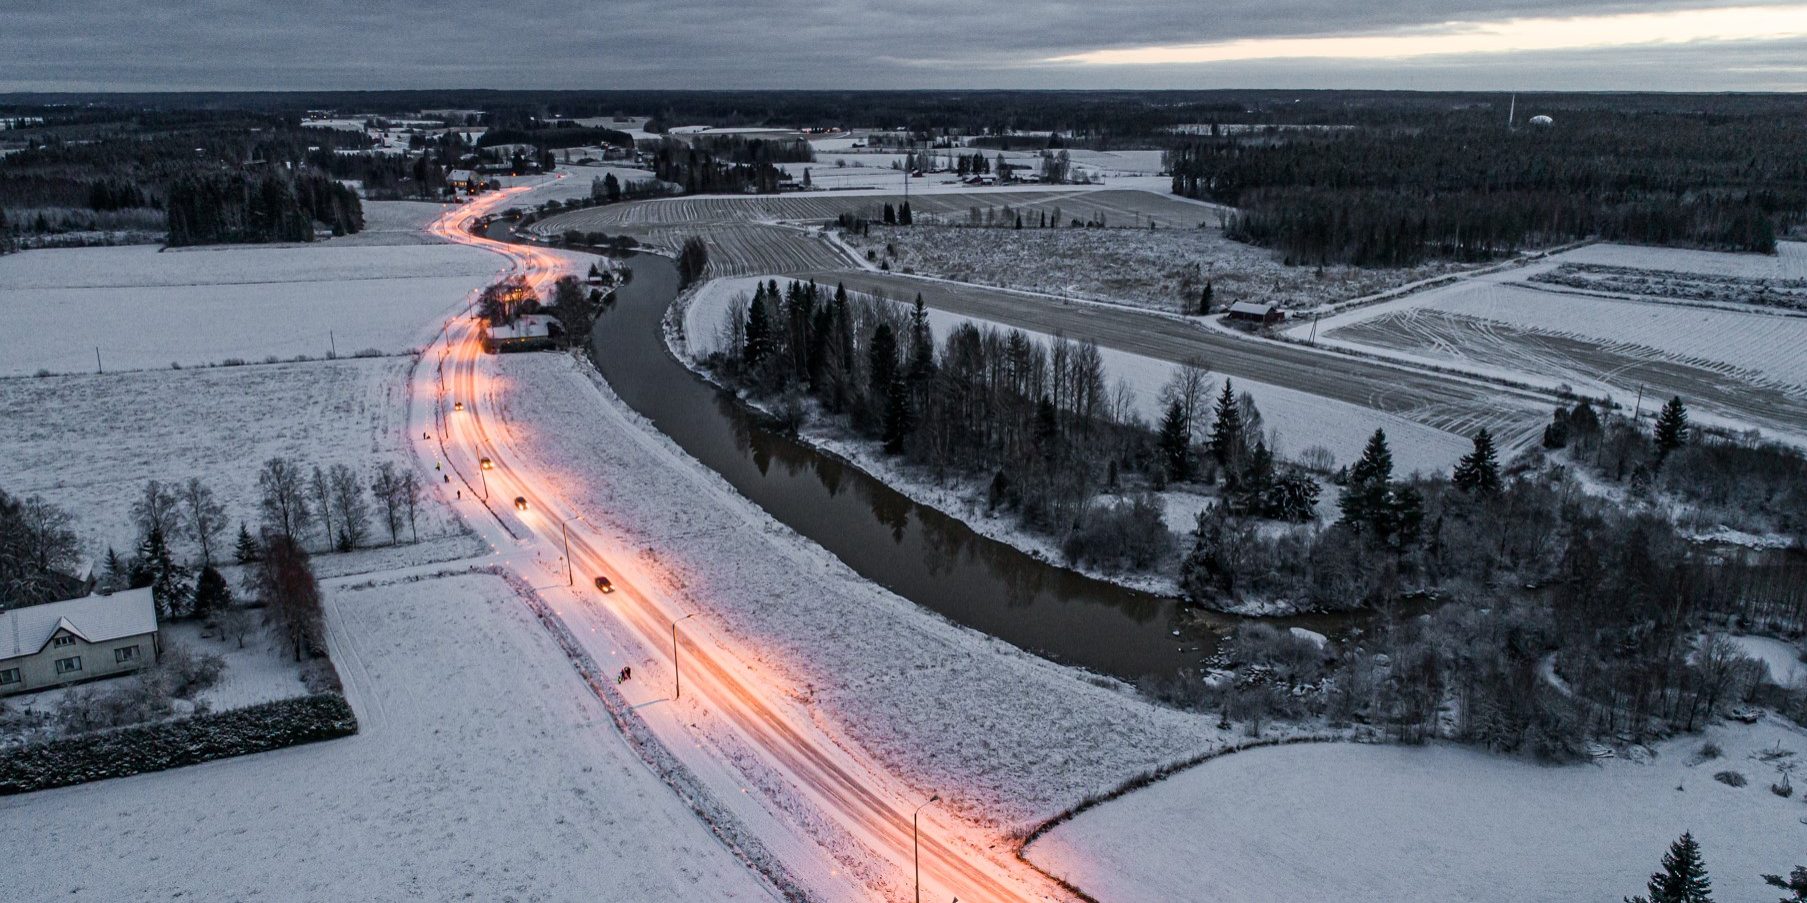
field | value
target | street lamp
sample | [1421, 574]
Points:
[677, 687]
[566, 533]
[916, 843]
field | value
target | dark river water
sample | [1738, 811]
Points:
[913, 550]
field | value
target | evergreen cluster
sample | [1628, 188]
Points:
[234, 207]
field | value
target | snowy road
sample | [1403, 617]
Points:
[722, 692]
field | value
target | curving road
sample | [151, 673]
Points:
[718, 687]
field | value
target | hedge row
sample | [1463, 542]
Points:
[173, 744]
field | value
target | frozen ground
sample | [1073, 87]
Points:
[1782, 660]
[147, 308]
[1738, 367]
[876, 668]
[483, 769]
[1387, 823]
[1160, 269]
[89, 442]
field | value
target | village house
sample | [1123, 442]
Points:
[60, 643]
[1256, 312]
[529, 332]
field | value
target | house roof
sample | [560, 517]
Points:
[460, 175]
[1251, 307]
[97, 619]
[527, 326]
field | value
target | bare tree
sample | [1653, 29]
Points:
[206, 517]
[349, 506]
[158, 509]
[284, 582]
[37, 544]
[320, 489]
[285, 508]
[1190, 387]
[387, 487]
[410, 495]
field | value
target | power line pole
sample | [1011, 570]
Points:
[97, 367]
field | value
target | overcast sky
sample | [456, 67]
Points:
[1686, 45]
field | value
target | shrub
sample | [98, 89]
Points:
[1709, 751]
[172, 744]
[1730, 779]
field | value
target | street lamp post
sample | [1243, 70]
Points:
[566, 531]
[916, 843]
[677, 687]
[485, 475]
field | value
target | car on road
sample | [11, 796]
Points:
[520, 503]
[603, 584]
[457, 405]
[486, 464]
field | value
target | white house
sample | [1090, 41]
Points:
[60, 643]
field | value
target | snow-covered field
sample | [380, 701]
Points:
[878, 669]
[483, 769]
[1161, 269]
[147, 308]
[89, 442]
[1299, 420]
[1387, 823]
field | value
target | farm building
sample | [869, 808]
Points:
[61, 643]
[529, 332]
[1255, 312]
[463, 180]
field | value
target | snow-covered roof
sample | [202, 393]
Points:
[460, 175]
[1253, 308]
[97, 619]
[528, 326]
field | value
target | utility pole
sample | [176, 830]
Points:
[1314, 328]
[332, 345]
[569, 579]
[97, 367]
[1639, 409]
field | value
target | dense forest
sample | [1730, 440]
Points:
[233, 207]
[1461, 185]
[726, 163]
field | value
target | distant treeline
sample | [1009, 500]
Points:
[217, 207]
[556, 137]
[726, 163]
[1462, 186]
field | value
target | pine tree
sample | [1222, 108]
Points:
[246, 549]
[1671, 428]
[922, 343]
[1683, 878]
[115, 574]
[898, 417]
[1795, 884]
[890, 215]
[1226, 431]
[903, 214]
[1175, 442]
[1204, 299]
[1478, 473]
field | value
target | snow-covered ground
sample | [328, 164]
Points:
[1162, 269]
[89, 442]
[146, 308]
[1387, 823]
[483, 768]
[1782, 659]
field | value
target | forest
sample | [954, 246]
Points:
[1461, 185]
[726, 163]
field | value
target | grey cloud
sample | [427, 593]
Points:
[343, 44]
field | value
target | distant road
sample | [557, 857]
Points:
[1436, 400]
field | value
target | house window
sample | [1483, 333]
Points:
[9, 676]
[125, 654]
[63, 641]
[69, 665]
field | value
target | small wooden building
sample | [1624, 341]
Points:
[1256, 312]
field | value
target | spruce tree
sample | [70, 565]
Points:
[246, 549]
[168, 580]
[759, 331]
[1671, 428]
[1478, 473]
[890, 215]
[115, 574]
[922, 343]
[1795, 884]
[1226, 431]
[212, 595]
[898, 417]
[903, 214]
[1204, 299]
[1683, 878]
[1368, 495]
[1175, 442]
